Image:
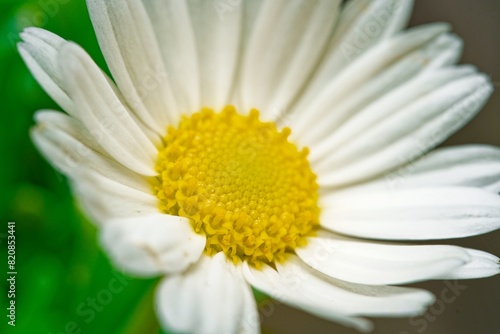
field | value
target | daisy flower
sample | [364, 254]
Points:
[284, 145]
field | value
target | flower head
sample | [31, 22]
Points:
[272, 144]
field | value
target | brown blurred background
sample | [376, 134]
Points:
[477, 308]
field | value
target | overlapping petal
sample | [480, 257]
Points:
[369, 262]
[285, 45]
[102, 112]
[39, 50]
[413, 214]
[361, 24]
[295, 284]
[468, 165]
[72, 148]
[152, 244]
[129, 45]
[208, 298]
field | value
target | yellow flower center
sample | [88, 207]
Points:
[241, 183]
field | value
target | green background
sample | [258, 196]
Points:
[60, 266]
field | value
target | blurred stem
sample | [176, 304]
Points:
[143, 319]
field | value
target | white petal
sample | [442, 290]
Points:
[251, 11]
[173, 27]
[250, 318]
[362, 69]
[51, 119]
[374, 263]
[104, 187]
[450, 50]
[468, 165]
[152, 245]
[390, 87]
[132, 53]
[420, 126]
[298, 285]
[396, 98]
[70, 147]
[362, 23]
[482, 264]
[269, 281]
[39, 51]
[104, 198]
[358, 299]
[398, 14]
[218, 29]
[153, 136]
[286, 43]
[101, 111]
[208, 298]
[413, 214]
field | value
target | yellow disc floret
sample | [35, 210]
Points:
[241, 183]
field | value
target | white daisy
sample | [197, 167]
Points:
[271, 144]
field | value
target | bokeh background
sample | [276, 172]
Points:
[65, 283]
